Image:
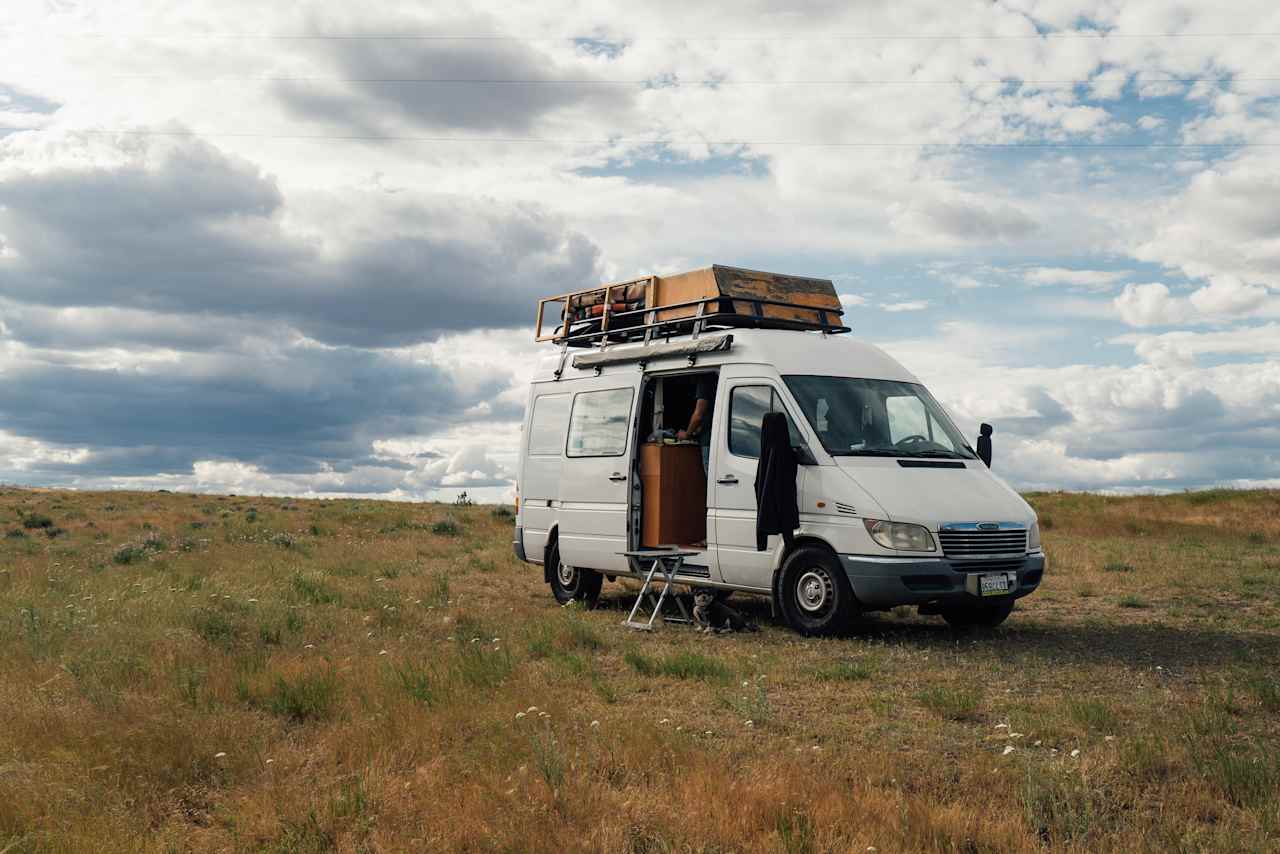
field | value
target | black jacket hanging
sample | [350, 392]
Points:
[776, 508]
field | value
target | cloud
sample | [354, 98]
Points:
[1092, 280]
[182, 228]
[510, 87]
[965, 219]
[1225, 297]
[908, 305]
[1150, 305]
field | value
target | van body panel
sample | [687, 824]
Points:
[936, 496]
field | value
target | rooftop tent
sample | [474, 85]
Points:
[715, 296]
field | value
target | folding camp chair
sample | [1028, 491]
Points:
[666, 564]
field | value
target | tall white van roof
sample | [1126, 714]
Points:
[787, 351]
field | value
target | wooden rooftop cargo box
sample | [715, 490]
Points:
[756, 290]
[717, 294]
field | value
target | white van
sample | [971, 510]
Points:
[895, 507]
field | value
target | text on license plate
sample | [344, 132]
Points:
[993, 585]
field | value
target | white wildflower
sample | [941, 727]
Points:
[531, 709]
[595, 723]
[1075, 753]
[749, 723]
[1008, 748]
[382, 652]
[519, 715]
[219, 755]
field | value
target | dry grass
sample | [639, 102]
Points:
[212, 673]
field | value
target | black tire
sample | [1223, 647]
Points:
[814, 593]
[570, 583]
[985, 616]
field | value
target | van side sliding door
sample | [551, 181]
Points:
[595, 476]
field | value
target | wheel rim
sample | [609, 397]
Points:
[815, 591]
[567, 575]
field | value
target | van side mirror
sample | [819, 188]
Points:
[804, 456]
[984, 443]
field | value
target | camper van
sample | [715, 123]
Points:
[895, 507]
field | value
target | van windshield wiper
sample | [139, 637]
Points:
[946, 455]
[869, 452]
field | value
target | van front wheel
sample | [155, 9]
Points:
[814, 593]
[570, 583]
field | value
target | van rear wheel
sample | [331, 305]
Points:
[572, 583]
[814, 594]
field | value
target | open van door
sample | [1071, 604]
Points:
[595, 476]
[742, 404]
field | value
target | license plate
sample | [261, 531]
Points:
[993, 585]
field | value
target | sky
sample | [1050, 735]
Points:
[296, 248]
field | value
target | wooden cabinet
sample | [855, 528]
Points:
[674, 509]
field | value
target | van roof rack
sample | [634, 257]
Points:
[715, 297]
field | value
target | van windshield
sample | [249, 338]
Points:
[881, 418]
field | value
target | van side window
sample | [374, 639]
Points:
[747, 407]
[598, 425]
[547, 426]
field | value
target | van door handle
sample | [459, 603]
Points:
[727, 480]
[617, 476]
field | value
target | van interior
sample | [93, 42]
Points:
[669, 496]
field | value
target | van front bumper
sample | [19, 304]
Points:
[883, 582]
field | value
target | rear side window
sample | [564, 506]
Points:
[747, 407]
[547, 426]
[598, 426]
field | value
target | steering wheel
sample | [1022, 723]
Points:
[914, 439]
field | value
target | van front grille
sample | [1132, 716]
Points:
[972, 542]
[987, 565]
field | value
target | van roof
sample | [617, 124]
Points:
[788, 352]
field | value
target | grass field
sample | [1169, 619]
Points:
[219, 673]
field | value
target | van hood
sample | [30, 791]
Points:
[936, 496]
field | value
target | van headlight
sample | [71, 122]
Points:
[900, 535]
[1033, 537]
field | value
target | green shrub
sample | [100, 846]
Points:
[503, 513]
[957, 703]
[419, 682]
[307, 698]
[216, 628]
[1130, 600]
[315, 591]
[845, 671]
[446, 528]
[480, 666]
[1117, 566]
[1093, 715]
[1062, 808]
[681, 665]
[36, 520]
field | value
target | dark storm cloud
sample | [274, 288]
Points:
[384, 81]
[295, 410]
[193, 231]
